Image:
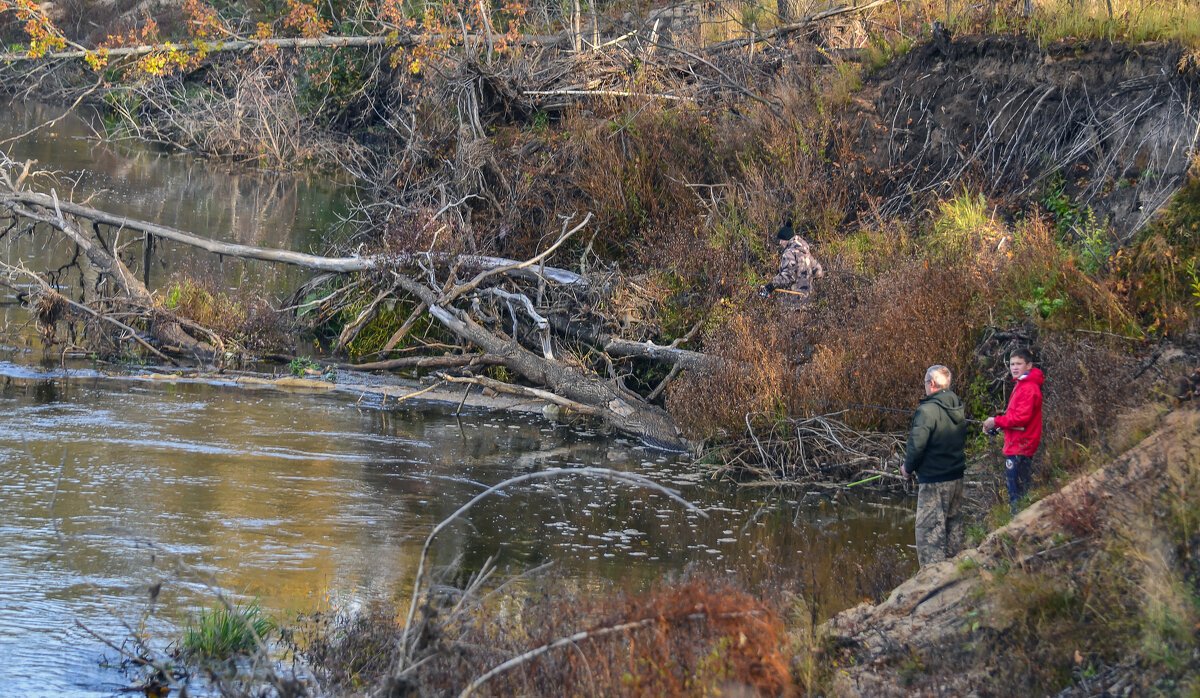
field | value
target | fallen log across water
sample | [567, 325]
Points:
[471, 308]
[340, 265]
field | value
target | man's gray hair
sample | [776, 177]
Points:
[939, 375]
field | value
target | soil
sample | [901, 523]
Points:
[1112, 125]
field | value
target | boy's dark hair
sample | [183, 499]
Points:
[1023, 354]
[786, 232]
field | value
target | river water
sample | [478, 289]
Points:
[114, 484]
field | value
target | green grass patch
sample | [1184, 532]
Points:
[226, 631]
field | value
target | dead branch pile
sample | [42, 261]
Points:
[811, 451]
[492, 312]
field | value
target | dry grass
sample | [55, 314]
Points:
[244, 316]
[1129, 21]
[755, 374]
[873, 349]
[1135, 578]
[690, 637]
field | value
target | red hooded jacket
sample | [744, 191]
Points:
[1022, 421]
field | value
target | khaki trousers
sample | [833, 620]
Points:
[939, 521]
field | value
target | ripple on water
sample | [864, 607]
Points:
[286, 497]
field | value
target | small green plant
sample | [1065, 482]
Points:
[1092, 241]
[972, 621]
[960, 226]
[226, 630]
[1095, 244]
[879, 51]
[174, 295]
[975, 533]
[1194, 277]
[301, 365]
[1042, 305]
[911, 668]
[1067, 215]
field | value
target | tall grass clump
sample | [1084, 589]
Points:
[244, 315]
[1130, 21]
[226, 631]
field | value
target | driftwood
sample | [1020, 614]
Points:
[626, 412]
[809, 452]
[449, 361]
[616, 346]
[450, 301]
[53, 297]
[163, 325]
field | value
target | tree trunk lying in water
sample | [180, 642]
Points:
[473, 310]
[165, 327]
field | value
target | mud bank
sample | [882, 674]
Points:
[1108, 125]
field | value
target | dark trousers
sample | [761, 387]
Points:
[1018, 473]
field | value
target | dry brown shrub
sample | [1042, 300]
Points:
[1088, 384]
[704, 638]
[633, 169]
[872, 346]
[754, 374]
[1078, 511]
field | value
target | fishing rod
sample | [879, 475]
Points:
[869, 479]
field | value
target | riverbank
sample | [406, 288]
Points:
[1092, 590]
[595, 224]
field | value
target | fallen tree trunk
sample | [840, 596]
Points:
[341, 265]
[628, 415]
[451, 361]
[163, 326]
[624, 410]
[670, 355]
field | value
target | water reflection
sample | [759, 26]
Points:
[293, 498]
[226, 202]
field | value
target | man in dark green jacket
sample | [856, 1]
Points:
[935, 455]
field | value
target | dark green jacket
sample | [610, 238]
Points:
[935, 442]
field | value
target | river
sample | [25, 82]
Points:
[115, 483]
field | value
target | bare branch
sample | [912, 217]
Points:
[616, 476]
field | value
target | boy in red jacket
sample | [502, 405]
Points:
[1022, 425]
